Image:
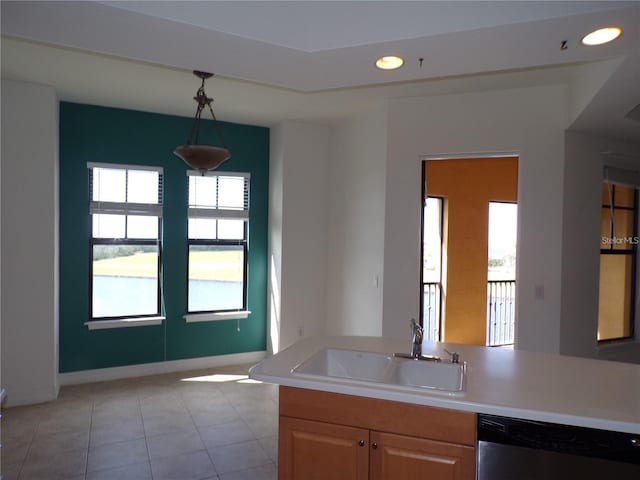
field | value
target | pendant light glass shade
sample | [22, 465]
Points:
[202, 157]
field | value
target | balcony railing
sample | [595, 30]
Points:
[501, 314]
[431, 307]
[501, 295]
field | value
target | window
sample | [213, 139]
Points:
[618, 247]
[432, 210]
[501, 273]
[125, 206]
[217, 240]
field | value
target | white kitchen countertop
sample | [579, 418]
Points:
[534, 386]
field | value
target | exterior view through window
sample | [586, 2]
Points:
[218, 214]
[126, 210]
[618, 248]
[501, 276]
[432, 268]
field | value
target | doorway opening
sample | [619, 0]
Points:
[468, 279]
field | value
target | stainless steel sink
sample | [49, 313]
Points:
[379, 369]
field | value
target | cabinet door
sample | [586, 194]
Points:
[320, 451]
[395, 456]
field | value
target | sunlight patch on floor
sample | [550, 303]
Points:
[217, 378]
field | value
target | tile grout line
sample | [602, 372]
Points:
[86, 461]
[26, 455]
[200, 435]
[111, 443]
[233, 397]
[144, 431]
[255, 437]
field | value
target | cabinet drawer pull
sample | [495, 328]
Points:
[361, 443]
[374, 445]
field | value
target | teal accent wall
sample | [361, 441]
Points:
[99, 134]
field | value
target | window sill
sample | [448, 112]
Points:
[215, 316]
[123, 323]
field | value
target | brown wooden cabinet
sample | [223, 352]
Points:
[398, 456]
[332, 436]
[321, 451]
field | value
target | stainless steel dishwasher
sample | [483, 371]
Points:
[514, 449]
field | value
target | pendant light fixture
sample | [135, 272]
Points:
[202, 157]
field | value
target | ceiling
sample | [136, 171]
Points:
[308, 60]
[316, 26]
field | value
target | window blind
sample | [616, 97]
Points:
[101, 194]
[219, 195]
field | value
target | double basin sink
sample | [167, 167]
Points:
[390, 371]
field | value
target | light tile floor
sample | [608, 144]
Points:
[212, 424]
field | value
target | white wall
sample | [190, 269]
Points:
[29, 242]
[276, 166]
[1, 384]
[583, 177]
[529, 122]
[586, 82]
[299, 184]
[356, 230]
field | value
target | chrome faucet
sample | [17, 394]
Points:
[416, 339]
[417, 333]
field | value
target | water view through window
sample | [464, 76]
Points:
[218, 210]
[126, 209]
[125, 280]
[216, 274]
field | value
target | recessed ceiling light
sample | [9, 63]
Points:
[601, 36]
[390, 62]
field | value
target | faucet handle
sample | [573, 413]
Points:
[455, 356]
[415, 325]
[416, 331]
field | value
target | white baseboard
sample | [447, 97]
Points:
[30, 396]
[129, 371]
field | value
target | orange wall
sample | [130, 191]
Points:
[468, 186]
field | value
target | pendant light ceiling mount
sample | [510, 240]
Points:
[202, 75]
[196, 156]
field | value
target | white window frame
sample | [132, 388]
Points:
[125, 208]
[217, 213]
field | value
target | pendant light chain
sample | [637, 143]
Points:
[203, 157]
[202, 100]
[216, 126]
